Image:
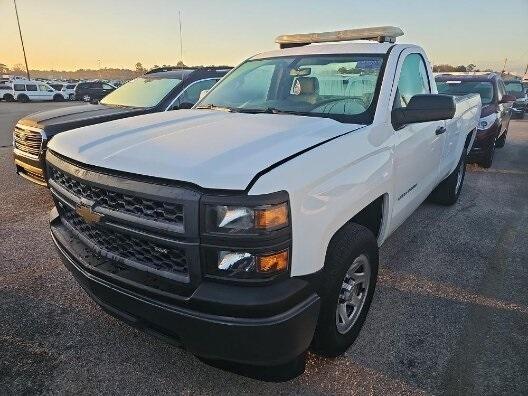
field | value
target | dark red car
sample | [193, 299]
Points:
[495, 115]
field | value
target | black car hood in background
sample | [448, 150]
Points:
[60, 120]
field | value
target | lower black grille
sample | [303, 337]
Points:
[128, 249]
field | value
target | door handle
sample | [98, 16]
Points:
[440, 130]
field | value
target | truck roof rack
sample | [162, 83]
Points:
[380, 34]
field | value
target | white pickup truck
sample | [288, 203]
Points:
[248, 227]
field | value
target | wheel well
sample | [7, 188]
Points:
[371, 216]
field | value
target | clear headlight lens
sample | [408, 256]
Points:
[246, 220]
[486, 122]
[236, 264]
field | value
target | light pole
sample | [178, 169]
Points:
[21, 40]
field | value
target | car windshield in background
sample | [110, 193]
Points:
[342, 87]
[457, 88]
[514, 86]
[141, 92]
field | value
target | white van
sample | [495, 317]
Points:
[6, 92]
[25, 91]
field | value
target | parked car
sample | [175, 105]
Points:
[516, 89]
[6, 92]
[496, 110]
[92, 90]
[59, 88]
[29, 90]
[156, 91]
[247, 228]
[69, 90]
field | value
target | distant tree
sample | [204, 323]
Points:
[18, 69]
[155, 67]
[471, 67]
[3, 68]
[180, 64]
[140, 69]
[460, 68]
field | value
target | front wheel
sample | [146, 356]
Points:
[487, 161]
[58, 98]
[350, 273]
[86, 98]
[502, 140]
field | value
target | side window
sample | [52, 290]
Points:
[19, 87]
[106, 87]
[42, 88]
[191, 94]
[413, 80]
[31, 87]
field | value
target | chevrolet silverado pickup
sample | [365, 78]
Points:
[247, 229]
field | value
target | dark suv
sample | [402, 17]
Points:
[495, 115]
[92, 90]
[516, 88]
[156, 91]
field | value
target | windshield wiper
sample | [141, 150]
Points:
[214, 107]
[269, 110]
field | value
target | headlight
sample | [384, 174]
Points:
[244, 265]
[246, 220]
[486, 122]
[246, 238]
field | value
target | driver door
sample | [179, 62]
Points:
[418, 147]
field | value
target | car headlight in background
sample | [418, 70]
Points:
[486, 122]
[246, 220]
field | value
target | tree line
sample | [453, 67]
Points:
[104, 73]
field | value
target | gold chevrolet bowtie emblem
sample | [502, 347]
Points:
[88, 215]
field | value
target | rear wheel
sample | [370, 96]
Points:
[58, 98]
[350, 273]
[448, 191]
[86, 98]
[23, 98]
[71, 97]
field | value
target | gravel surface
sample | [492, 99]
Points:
[450, 315]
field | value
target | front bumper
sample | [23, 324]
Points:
[255, 325]
[30, 167]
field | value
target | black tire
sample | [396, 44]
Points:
[23, 98]
[86, 98]
[448, 191]
[500, 142]
[58, 98]
[71, 97]
[9, 98]
[348, 245]
[487, 161]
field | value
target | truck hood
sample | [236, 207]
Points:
[212, 149]
[59, 120]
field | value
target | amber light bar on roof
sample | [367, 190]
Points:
[378, 33]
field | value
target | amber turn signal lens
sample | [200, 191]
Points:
[273, 263]
[271, 217]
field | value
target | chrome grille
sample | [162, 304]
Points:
[125, 248]
[149, 209]
[28, 141]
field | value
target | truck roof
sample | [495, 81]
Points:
[328, 49]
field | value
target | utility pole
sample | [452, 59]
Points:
[181, 39]
[504, 67]
[21, 40]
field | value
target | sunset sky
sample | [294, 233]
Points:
[74, 34]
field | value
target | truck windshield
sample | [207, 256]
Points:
[457, 88]
[513, 86]
[141, 92]
[341, 87]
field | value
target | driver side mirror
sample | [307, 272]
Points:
[203, 93]
[508, 98]
[424, 108]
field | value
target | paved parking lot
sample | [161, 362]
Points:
[450, 315]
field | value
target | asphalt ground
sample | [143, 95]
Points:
[450, 314]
